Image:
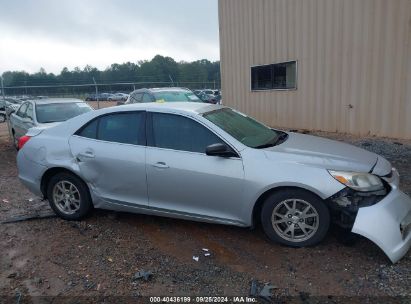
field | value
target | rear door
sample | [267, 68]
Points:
[110, 152]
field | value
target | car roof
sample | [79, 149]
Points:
[182, 107]
[153, 90]
[55, 100]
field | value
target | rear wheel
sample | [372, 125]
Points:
[69, 196]
[15, 140]
[295, 218]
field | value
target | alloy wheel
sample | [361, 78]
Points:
[66, 197]
[295, 220]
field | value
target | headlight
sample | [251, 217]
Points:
[358, 181]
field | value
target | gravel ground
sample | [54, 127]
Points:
[101, 255]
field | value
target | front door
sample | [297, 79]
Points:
[182, 178]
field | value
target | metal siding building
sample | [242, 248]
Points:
[353, 63]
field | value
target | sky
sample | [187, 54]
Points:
[67, 33]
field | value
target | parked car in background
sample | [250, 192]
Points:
[208, 98]
[98, 97]
[3, 116]
[161, 95]
[214, 164]
[12, 105]
[118, 97]
[44, 113]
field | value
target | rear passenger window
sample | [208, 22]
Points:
[126, 128]
[90, 130]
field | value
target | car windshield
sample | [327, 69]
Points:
[56, 112]
[175, 96]
[243, 128]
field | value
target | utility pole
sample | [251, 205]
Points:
[4, 99]
[98, 101]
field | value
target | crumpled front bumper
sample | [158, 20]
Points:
[387, 223]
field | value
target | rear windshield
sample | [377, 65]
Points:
[175, 96]
[56, 112]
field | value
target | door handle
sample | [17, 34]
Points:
[85, 154]
[161, 165]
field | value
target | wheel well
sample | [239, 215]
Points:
[260, 201]
[49, 174]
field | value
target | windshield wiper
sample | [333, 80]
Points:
[273, 142]
[49, 121]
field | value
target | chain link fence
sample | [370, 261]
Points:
[82, 90]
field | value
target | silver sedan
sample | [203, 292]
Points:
[211, 163]
[44, 113]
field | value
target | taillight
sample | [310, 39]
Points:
[23, 140]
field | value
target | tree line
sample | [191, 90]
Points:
[159, 69]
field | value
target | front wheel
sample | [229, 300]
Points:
[69, 196]
[295, 217]
[2, 118]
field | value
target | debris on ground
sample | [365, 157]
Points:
[12, 275]
[207, 254]
[5, 201]
[265, 292]
[195, 258]
[28, 217]
[253, 288]
[146, 275]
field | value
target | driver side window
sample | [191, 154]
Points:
[177, 132]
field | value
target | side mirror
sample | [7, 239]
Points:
[220, 149]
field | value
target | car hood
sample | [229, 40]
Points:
[329, 154]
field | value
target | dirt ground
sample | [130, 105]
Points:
[101, 255]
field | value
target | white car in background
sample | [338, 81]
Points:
[118, 97]
[3, 116]
[44, 113]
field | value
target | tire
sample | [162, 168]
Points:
[302, 224]
[2, 118]
[15, 141]
[76, 201]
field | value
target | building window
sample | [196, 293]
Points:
[278, 76]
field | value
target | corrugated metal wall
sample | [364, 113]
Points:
[349, 52]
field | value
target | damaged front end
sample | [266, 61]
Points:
[383, 216]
